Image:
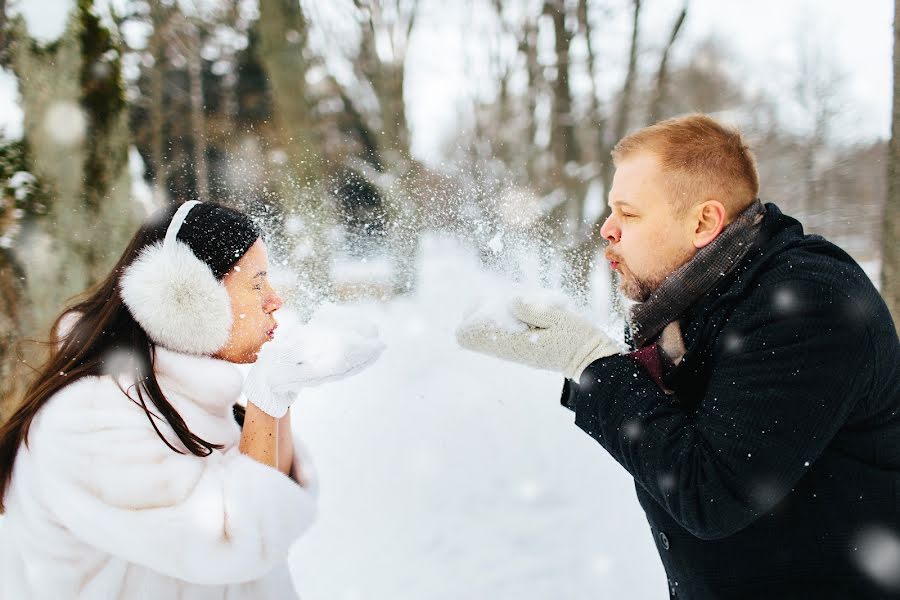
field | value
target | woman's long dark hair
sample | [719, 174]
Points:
[103, 328]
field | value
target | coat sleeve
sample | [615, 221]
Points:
[303, 469]
[108, 478]
[786, 372]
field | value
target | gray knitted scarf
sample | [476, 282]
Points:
[696, 277]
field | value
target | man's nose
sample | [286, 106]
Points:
[609, 230]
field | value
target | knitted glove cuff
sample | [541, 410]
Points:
[597, 346]
[257, 391]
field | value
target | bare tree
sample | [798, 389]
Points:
[623, 112]
[156, 46]
[2, 31]
[563, 144]
[283, 34]
[567, 203]
[385, 30]
[662, 74]
[230, 16]
[815, 88]
[12, 292]
[580, 255]
[567, 134]
[597, 118]
[536, 84]
[191, 47]
[306, 210]
[386, 27]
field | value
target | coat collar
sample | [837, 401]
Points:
[213, 384]
[777, 232]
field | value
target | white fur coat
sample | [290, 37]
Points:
[99, 507]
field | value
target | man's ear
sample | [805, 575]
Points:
[711, 219]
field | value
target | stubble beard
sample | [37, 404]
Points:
[637, 289]
[640, 289]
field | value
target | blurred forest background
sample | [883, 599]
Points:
[271, 107]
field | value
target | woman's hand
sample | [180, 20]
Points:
[307, 356]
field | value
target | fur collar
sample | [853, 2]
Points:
[211, 383]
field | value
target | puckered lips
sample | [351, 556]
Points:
[614, 261]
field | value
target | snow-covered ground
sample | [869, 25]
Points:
[447, 475]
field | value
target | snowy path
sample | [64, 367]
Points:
[446, 475]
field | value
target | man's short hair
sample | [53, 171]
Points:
[702, 159]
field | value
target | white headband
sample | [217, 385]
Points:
[177, 221]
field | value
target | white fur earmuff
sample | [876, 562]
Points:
[175, 296]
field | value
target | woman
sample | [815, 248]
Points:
[124, 473]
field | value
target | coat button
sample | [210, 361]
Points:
[664, 540]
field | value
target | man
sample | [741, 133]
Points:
[759, 413]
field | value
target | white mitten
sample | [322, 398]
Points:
[551, 337]
[309, 355]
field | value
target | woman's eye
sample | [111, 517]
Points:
[258, 286]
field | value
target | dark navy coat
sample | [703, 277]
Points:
[773, 470]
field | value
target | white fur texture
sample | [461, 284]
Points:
[100, 507]
[176, 298]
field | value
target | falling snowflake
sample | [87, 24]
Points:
[877, 553]
[785, 300]
[64, 123]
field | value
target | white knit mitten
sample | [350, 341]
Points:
[308, 356]
[551, 337]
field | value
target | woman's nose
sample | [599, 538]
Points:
[273, 302]
[609, 230]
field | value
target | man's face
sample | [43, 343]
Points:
[647, 240]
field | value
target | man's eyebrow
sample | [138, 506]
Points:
[621, 203]
[260, 274]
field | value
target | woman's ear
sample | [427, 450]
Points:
[711, 219]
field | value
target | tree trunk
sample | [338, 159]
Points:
[11, 294]
[3, 32]
[392, 22]
[567, 157]
[528, 46]
[156, 46]
[305, 245]
[595, 115]
[562, 128]
[890, 233]
[198, 116]
[625, 99]
[581, 255]
[393, 111]
[662, 74]
[386, 74]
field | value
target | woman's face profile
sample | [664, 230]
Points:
[253, 302]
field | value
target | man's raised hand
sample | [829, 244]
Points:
[543, 333]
